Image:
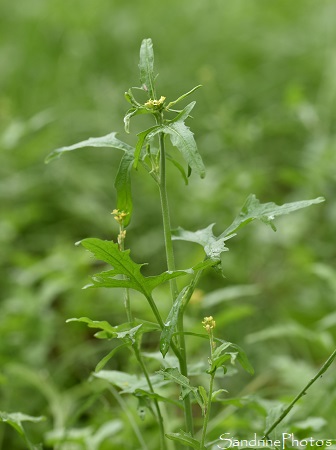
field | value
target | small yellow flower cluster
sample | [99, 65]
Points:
[155, 104]
[209, 324]
[119, 215]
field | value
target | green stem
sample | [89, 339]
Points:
[171, 267]
[151, 389]
[166, 218]
[323, 369]
[132, 422]
[211, 383]
[207, 414]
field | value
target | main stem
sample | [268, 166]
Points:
[171, 267]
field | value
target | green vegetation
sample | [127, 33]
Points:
[263, 123]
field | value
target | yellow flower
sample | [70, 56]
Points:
[155, 104]
[209, 324]
[119, 215]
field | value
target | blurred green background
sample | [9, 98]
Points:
[264, 123]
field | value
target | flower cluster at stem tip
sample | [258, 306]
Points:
[209, 324]
[119, 216]
[155, 104]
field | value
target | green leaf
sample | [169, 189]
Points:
[134, 112]
[122, 264]
[123, 186]
[204, 396]
[266, 212]
[102, 363]
[155, 396]
[182, 138]
[213, 246]
[183, 96]
[221, 355]
[146, 66]
[105, 141]
[173, 374]
[143, 137]
[125, 331]
[171, 322]
[129, 384]
[15, 420]
[216, 393]
[184, 114]
[185, 439]
[179, 167]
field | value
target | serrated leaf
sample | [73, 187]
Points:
[123, 265]
[182, 138]
[109, 140]
[146, 66]
[185, 439]
[213, 246]
[123, 186]
[173, 374]
[266, 212]
[171, 322]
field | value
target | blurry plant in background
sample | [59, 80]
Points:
[266, 111]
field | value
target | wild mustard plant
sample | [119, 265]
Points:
[150, 152]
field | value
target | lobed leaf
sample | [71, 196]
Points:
[122, 264]
[109, 140]
[146, 66]
[266, 212]
[213, 246]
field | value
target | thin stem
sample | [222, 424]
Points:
[156, 404]
[323, 369]
[208, 408]
[132, 422]
[211, 383]
[166, 218]
[171, 267]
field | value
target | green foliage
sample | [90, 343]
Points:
[259, 129]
